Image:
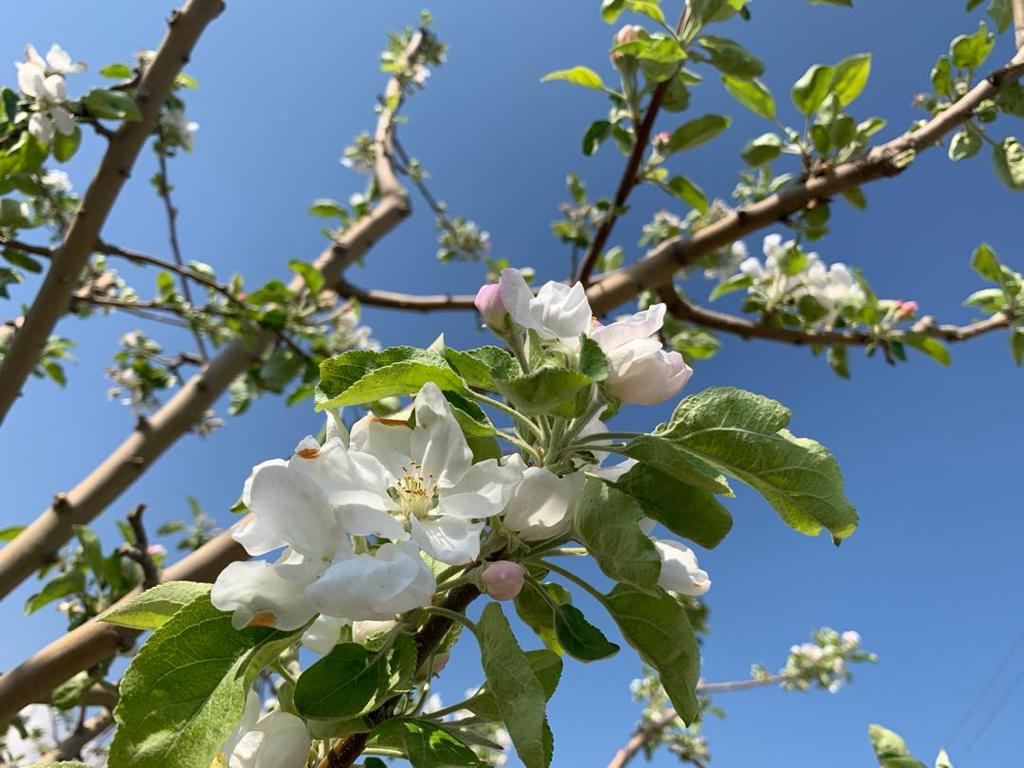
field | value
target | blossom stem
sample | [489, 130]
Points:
[507, 409]
[452, 616]
[606, 436]
[522, 444]
[578, 581]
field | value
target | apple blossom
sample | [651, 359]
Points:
[426, 478]
[558, 312]
[503, 579]
[276, 740]
[679, 570]
[850, 638]
[489, 305]
[541, 504]
[45, 86]
[641, 370]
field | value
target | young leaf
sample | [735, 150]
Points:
[60, 586]
[677, 464]
[742, 434]
[731, 58]
[1008, 162]
[752, 94]
[657, 627]
[1017, 346]
[151, 609]
[890, 749]
[112, 105]
[689, 192]
[362, 376]
[543, 389]
[850, 77]
[516, 690]
[986, 263]
[184, 692]
[607, 522]
[536, 612]
[427, 745]
[583, 76]
[970, 51]
[697, 131]
[480, 367]
[761, 150]
[931, 347]
[581, 639]
[812, 88]
[692, 513]
[546, 665]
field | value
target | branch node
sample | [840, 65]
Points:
[60, 503]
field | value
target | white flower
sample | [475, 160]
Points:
[541, 504]
[557, 312]
[57, 180]
[679, 570]
[276, 740]
[850, 638]
[177, 128]
[641, 370]
[57, 62]
[45, 85]
[376, 586]
[426, 478]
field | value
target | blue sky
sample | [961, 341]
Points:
[931, 455]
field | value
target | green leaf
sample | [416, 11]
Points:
[480, 367]
[593, 362]
[581, 639]
[731, 58]
[514, 686]
[10, 532]
[595, 136]
[91, 549]
[742, 434]
[607, 523]
[697, 132]
[890, 749]
[850, 77]
[986, 263]
[1008, 162]
[583, 76]
[536, 611]
[611, 9]
[152, 608]
[543, 389]
[752, 94]
[112, 105]
[811, 89]
[855, 197]
[184, 691]
[351, 679]
[311, 276]
[60, 586]
[546, 665]
[14, 214]
[970, 51]
[689, 192]
[839, 361]
[763, 149]
[1001, 13]
[362, 376]
[64, 147]
[677, 464]
[657, 627]
[116, 71]
[931, 347]
[965, 143]
[692, 513]
[427, 745]
[1017, 345]
[326, 208]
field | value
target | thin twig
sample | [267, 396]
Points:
[392, 300]
[139, 551]
[71, 747]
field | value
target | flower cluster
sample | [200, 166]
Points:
[824, 662]
[42, 82]
[362, 524]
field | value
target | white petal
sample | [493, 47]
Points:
[641, 325]
[250, 715]
[615, 471]
[562, 312]
[679, 570]
[437, 441]
[256, 536]
[482, 492]
[41, 128]
[541, 504]
[278, 740]
[448, 539]
[516, 296]
[260, 596]
[55, 90]
[323, 634]
[386, 439]
[59, 60]
[30, 79]
[296, 509]
[32, 57]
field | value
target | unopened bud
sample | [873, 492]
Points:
[905, 309]
[490, 306]
[628, 34]
[661, 141]
[503, 579]
[850, 638]
[156, 550]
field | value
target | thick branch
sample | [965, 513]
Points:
[39, 542]
[747, 329]
[392, 300]
[54, 295]
[886, 160]
[91, 643]
[1018, 22]
[629, 175]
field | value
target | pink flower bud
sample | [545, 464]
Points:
[156, 550]
[905, 309]
[661, 140]
[628, 34]
[492, 309]
[503, 579]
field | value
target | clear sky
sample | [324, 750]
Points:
[931, 456]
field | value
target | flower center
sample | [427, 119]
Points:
[414, 492]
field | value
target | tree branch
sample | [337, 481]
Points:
[38, 543]
[71, 747]
[1018, 22]
[647, 731]
[61, 280]
[408, 301]
[661, 263]
[93, 642]
[139, 551]
[629, 174]
[747, 329]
